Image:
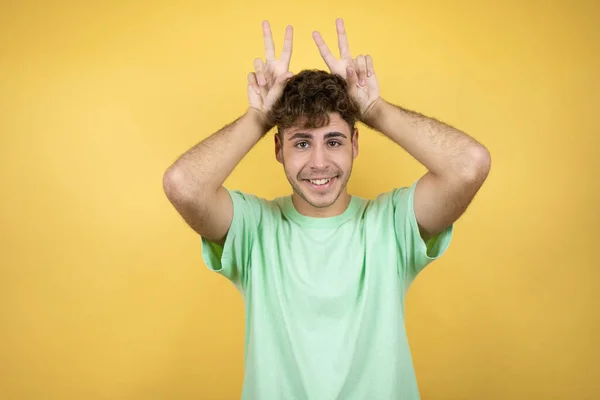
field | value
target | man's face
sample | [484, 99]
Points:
[318, 162]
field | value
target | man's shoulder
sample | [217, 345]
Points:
[250, 201]
[389, 198]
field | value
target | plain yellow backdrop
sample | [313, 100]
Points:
[103, 292]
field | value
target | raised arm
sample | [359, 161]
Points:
[457, 164]
[194, 183]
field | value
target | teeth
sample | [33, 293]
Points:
[319, 181]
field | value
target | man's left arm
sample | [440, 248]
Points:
[457, 164]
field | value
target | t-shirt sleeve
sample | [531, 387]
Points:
[416, 253]
[231, 260]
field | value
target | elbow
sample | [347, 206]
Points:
[478, 166]
[174, 184]
[182, 187]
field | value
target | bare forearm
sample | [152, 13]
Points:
[205, 167]
[442, 149]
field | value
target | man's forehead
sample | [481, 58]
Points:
[322, 130]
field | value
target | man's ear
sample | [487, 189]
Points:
[355, 143]
[278, 147]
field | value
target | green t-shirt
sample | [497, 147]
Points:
[324, 297]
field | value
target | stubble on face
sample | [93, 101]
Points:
[341, 183]
[338, 165]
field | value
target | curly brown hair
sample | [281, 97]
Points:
[308, 98]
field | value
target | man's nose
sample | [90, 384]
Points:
[318, 156]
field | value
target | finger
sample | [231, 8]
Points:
[351, 77]
[370, 68]
[268, 38]
[259, 69]
[361, 64]
[280, 83]
[324, 50]
[342, 39]
[252, 82]
[283, 77]
[286, 54]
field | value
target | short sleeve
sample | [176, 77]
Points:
[231, 260]
[417, 253]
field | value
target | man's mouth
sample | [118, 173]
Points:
[320, 183]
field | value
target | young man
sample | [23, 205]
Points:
[324, 273]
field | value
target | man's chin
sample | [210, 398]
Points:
[319, 198]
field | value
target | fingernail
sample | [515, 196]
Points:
[362, 81]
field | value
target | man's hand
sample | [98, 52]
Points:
[265, 85]
[358, 72]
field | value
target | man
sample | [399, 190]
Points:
[324, 273]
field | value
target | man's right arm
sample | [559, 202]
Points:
[194, 183]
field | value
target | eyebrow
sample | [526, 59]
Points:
[328, 135]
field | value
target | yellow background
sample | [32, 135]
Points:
[103, 292]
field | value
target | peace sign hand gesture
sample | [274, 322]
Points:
[358, 72]
[266, 84]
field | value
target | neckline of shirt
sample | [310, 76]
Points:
[320, 222]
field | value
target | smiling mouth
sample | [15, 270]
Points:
[322, 183]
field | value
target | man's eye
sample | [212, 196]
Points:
[334, 143]
[301, 144]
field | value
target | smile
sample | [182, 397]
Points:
[320, 184]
